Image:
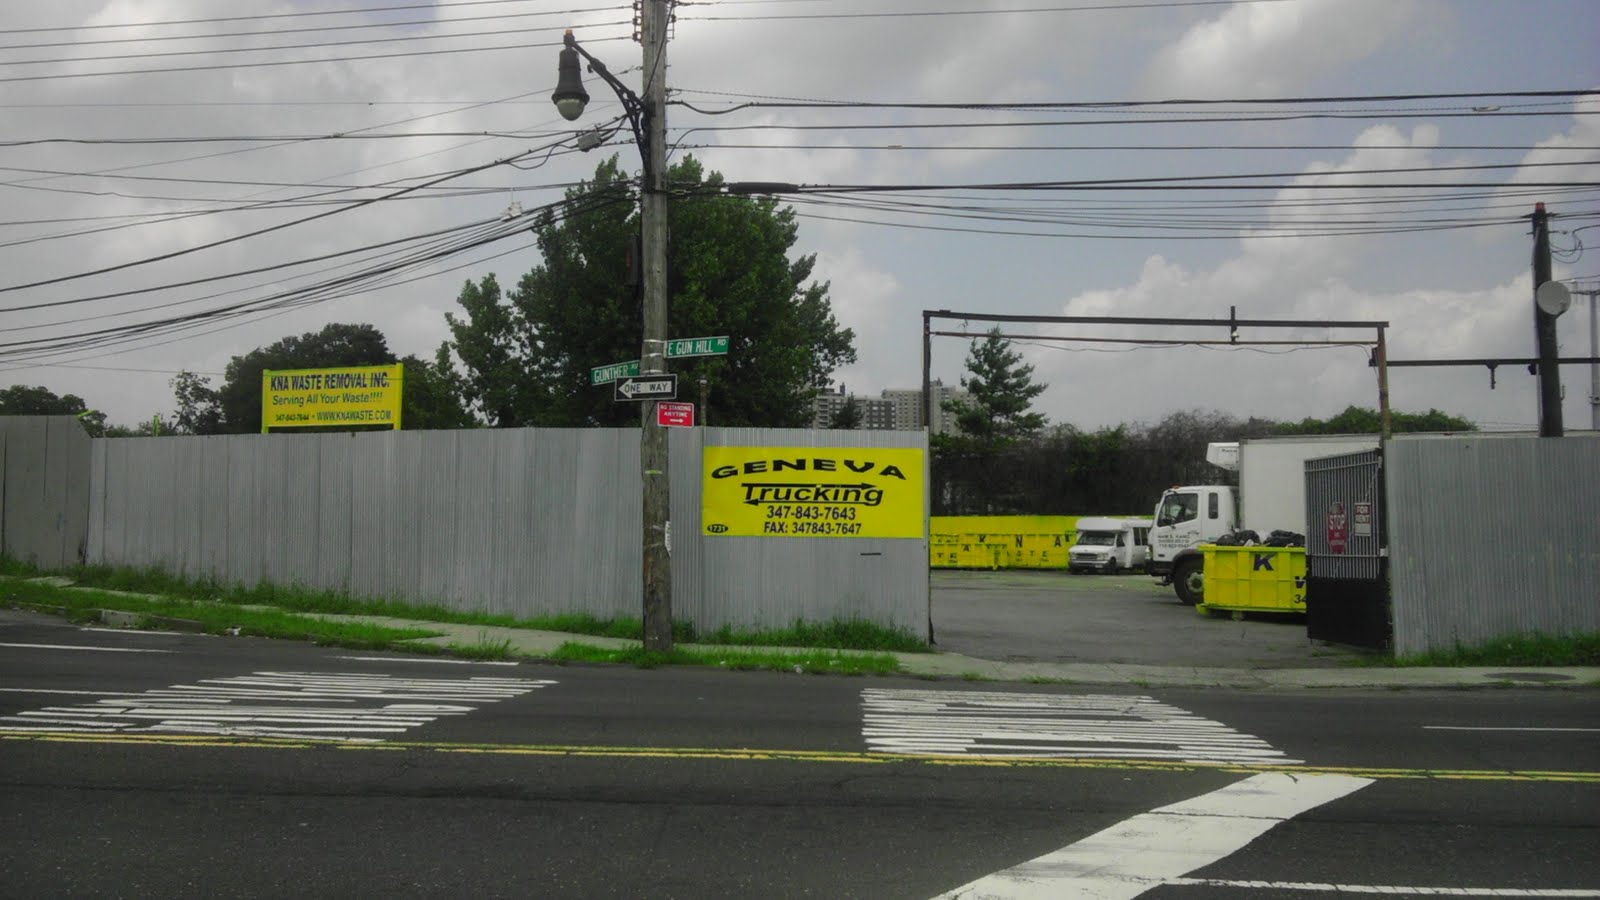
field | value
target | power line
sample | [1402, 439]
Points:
[298, 62]
[262, 17]
[258, 232]
[1164, 4]
[163, 54]
[280, 31]
[769, 102]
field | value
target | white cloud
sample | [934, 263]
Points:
[1274, 49]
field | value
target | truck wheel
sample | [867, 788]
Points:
[1188, 579]
[1111, 568]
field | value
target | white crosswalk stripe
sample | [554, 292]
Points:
[281, 704]
[992, 723]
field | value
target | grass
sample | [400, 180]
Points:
[1512, 650]
[836, 634]
[816, 661]
[484, 649]
[844, 634]
[83, 605]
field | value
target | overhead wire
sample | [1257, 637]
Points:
[321, 292]
[14, 79]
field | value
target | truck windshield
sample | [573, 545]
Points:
[1177, 508]
[1097, 539]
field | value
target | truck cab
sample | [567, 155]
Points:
[1185, 518]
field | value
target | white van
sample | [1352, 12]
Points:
[1110, 545]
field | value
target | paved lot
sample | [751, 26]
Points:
[1023, 616]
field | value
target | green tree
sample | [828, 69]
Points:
[1361, 420]
[1002, 391]
[848, 416]
[22, 400]
[199, 406]
[526, 353]
[428, 399]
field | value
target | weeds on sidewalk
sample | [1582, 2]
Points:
[836, 634]
[819, 661]
[82, 605]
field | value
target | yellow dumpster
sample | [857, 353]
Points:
[1254, 579]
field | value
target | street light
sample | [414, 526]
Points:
[647, 118]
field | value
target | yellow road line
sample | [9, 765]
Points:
[748, 754]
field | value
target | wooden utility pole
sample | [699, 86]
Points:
[1544, 332]
[657, 563]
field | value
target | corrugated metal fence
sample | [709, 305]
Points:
[518, 521]
[44, 516]
[1490, 536]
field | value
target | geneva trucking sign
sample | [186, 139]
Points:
[360, 395]
[853, 492]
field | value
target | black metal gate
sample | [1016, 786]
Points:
[1347, 564]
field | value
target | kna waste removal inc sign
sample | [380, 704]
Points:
[851, 492]
[350, 395]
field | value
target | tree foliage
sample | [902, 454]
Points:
[848, 416]
[1121, 470]
[526, 352]
[23, 400]
[1002, 392]
[428, 398]
[1360, 420]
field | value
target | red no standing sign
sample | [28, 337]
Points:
[675, 415]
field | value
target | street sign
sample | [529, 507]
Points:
[700, 346]
[660, 386]
[609, 374]
[675, 415]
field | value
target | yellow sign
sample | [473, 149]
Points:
[860, 492]
[301, 398]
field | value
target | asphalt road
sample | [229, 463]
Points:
[188, 772]
[1053, 616]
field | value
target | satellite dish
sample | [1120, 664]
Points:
[1552, 298]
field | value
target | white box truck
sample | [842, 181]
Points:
[1271, 497]
[1110, 545]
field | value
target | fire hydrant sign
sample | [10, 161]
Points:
[849, 492]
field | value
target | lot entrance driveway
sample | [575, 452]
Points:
[1051, 616]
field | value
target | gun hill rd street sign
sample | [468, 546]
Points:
[678, 349]
[662, 386]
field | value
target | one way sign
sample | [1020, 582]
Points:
[663, 386]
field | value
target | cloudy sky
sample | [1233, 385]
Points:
[131, 132]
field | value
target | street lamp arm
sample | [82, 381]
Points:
[638, 115]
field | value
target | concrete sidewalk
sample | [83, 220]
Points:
[529, 642]
[534, 643]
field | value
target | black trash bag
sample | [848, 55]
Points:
[1280, 538]
[1242, 538]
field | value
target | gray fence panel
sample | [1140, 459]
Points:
[213, 517]
[97, 498]
[586, 520]
[298, 485]
[70, 454]
[473, 512]
[45, 464]
[1491, 536]
[371, 465]
[434, 513]
[24, 509]
[244, 517]
[518, 521]
[335, 493]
